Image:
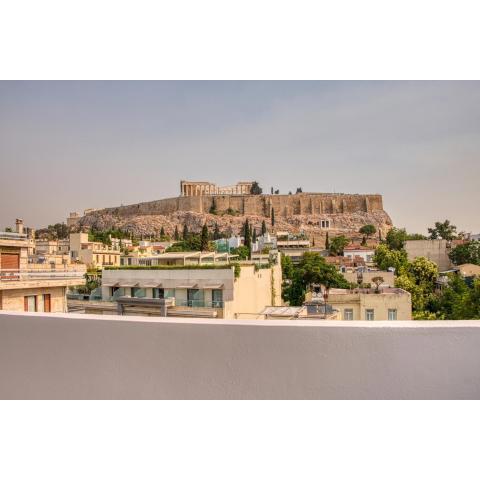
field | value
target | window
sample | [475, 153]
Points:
[348, 314]
[195, 297]
[392, 313]
[139, 292]
[169, 292]
[217, 298]
[158, 293]
[369, 314]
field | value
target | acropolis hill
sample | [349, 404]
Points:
[311, 212]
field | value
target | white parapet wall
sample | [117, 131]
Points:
[48, 356]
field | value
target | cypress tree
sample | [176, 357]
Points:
[327, 242]
[273, 217]
[264, 227]
[176, 235]
[254, 236]
[185, 232]
[204, 239]
[162, 232]
[248, 237]
[216, 232]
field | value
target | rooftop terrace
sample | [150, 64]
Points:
[88, 356]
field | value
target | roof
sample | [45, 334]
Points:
[282, 311]
[359, 247]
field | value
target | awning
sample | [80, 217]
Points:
[215, 286]
[189, 285]
[125, 284]
[150, 284]
[109, 284]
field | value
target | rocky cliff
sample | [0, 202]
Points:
[301, 212]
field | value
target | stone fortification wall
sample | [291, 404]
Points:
[261, 205]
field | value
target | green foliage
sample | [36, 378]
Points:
[237, 270]
[466, 253]
[459, 301]
[264, 227]
[288, 268]
[416, 236]
[213, 208]
[299, 190]
[419, 278]
[176, 235]
[204, 239]
[368, 230]
[216, 232]
[396, 238]
[247, 234]
[337, 244]
[377, 281]
[193, 243]
[242, 251]
[185, 232]
[254, 235]
[327, 242]
[231, 211]
[256, 189]
[312, 269]
[8, 229]
[444, 230]
[272, 217]
[386, 258]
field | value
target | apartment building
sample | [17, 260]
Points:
[94, 254]
[356, 252]
[366, 304]
[219, 289]
[29, 286]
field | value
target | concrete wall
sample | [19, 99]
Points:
[435, 250]
[388, 277]
[87, 357]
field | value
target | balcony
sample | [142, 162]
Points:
[74, 356]
[26, 278]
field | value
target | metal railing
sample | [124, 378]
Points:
[10, 275]
[198, 304]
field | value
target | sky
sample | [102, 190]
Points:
[68, 146]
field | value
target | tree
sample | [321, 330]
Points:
[176, 235]
[444, 230]
[162, 233]
[312, 269]
[273, 217]
[247, 236]
[8, 229]
[386, 258]
[213, 207]
[264, 227]
[185, 232]
[377, 281]
[368, 230]
[299, 190]
[337, 244]
[271, 190]
[396, 238]
[255, 189]
[204, 238]
[216, 232]
[466, 253]
[364, 242]
[277, 192]
[242, 251]
[254, 236]
[327, 242]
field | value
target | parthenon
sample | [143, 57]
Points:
[196, 189]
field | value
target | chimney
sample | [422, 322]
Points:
[19, 226]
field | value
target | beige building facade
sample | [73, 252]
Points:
[29, 286]
[215, 291]
[366, 304]
[94, 254]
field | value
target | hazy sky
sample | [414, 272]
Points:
[67, 146]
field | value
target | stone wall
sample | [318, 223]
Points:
[261, 205]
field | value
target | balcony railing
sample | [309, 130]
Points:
[10, 275]
[198, 304]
